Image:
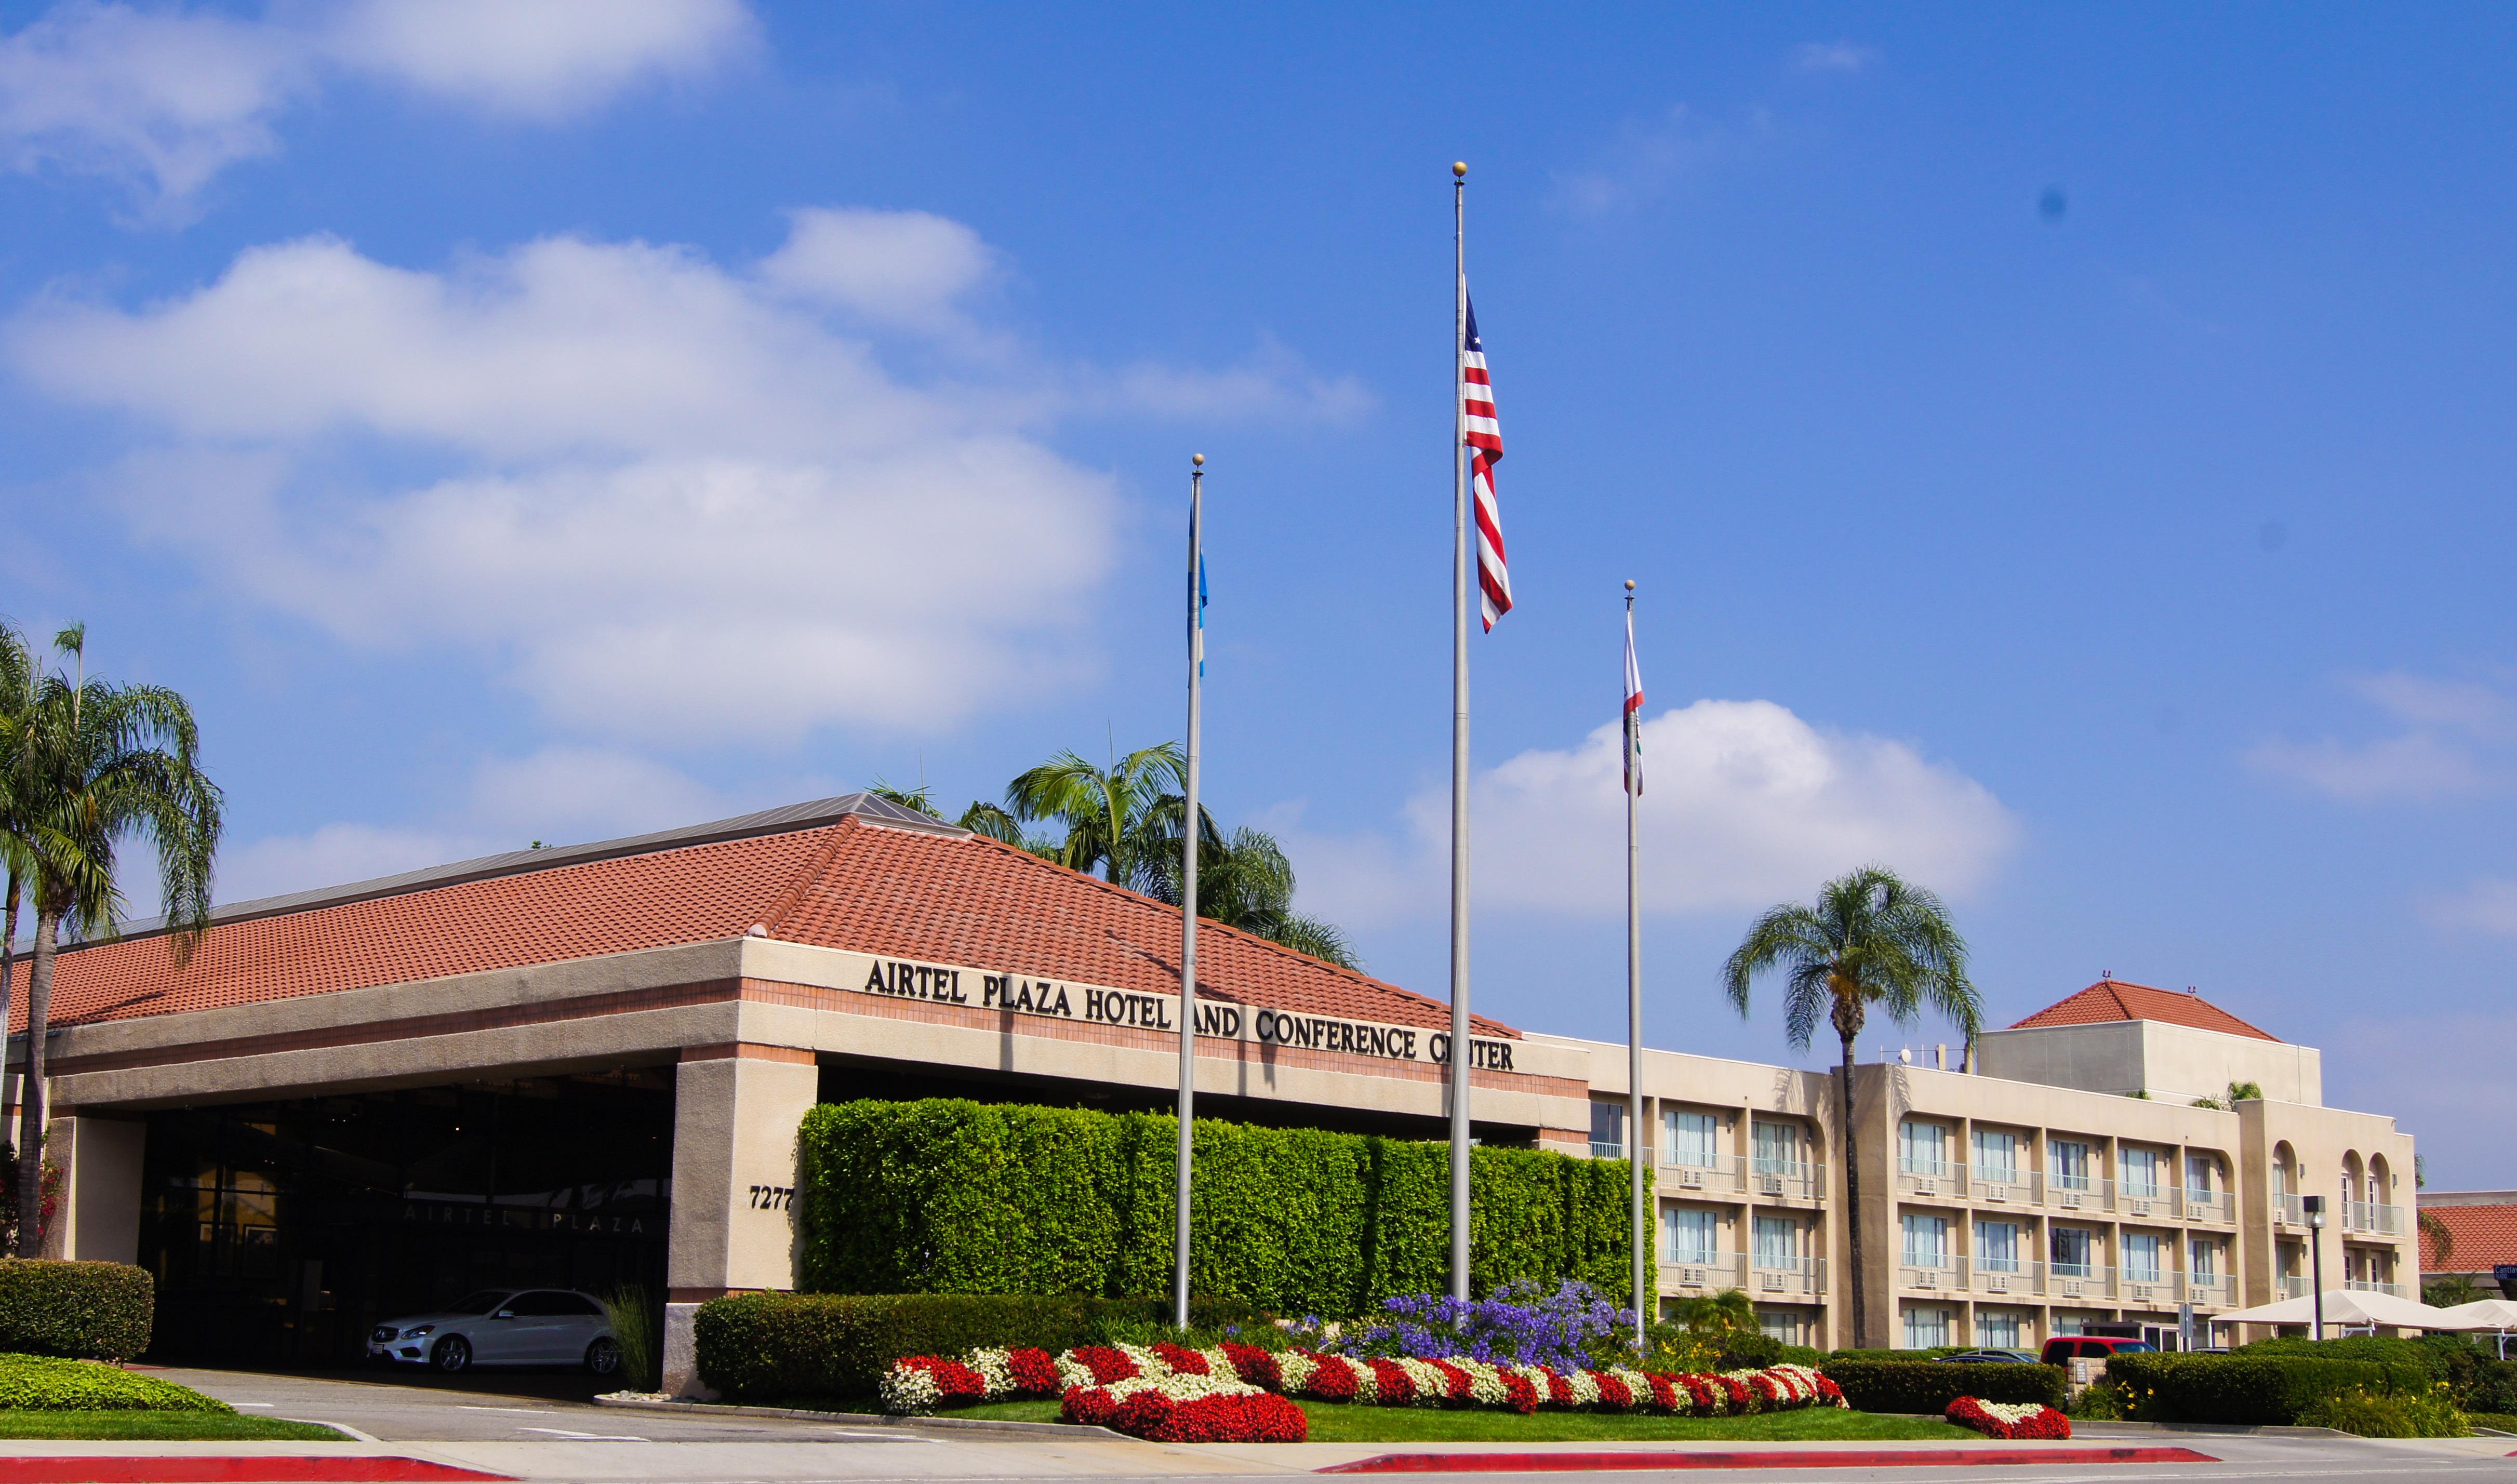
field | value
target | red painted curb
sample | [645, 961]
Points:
[1794, 1457]
[234, 1468]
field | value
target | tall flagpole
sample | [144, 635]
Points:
[1188, 880]
[1635, 1145]
[1461, 1044]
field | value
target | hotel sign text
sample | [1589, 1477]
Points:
[1058, 1000]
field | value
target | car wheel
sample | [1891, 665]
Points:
[452, 1354]
[603, 1357]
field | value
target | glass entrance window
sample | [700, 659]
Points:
[1688, 1235]
[1608, 1129]
[1693, 1138]
[1777, 1148]
[1785, 1324]
[2205, 1259]
[1778, 1242]
[1996, 1246]
[1998, 1329]
[1996, 1156]
[1922, 1148]
[1927, 1327]
[2202, 1173]
[2068, 1248]
[1926, 1240]
[2143, 1169]
[2067, 1164]
[2143, 1256]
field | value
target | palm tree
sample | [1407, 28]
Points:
[17, 695]
[1110, 814]
[1871, 942]
[1245, 882]
[100, 765]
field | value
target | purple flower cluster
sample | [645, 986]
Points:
[1524, 1323]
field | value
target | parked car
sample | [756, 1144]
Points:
[503, 1327]
[2009, 1357]
[2063, 1348]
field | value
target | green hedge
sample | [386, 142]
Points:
[1929, 1385]
[2249, 1389]
[47, 1383]
[771, 1345]
[945, 1196]
[84, 1310]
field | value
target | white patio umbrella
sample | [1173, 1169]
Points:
[2349, 1308]
[2492, 1314]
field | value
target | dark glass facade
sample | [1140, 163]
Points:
[280, 1232]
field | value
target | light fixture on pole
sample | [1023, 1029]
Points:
[2314, 1207]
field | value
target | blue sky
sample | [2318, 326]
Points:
[2063, 455]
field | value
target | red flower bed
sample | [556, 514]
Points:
[1263, 1418]
[1181, 1358]
[2031, 1421]
[1392, 1386]
[1334, 1381]
[955, 1384]
[1256, 1366]
[1034, 1372]
[1105, 1364]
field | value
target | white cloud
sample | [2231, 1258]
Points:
[335, 855]
[165, 98]
[902, 266]
[562, 795]
[2455, 743]
[1746, 804]
[1834, 56]
[548, 60]
[1650, 158]
[667, 497]
[2488, 906]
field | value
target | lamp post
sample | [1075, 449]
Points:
[2314, 1207]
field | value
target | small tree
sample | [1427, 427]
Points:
[1871, 942]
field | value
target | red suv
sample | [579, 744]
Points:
[2063, 1348]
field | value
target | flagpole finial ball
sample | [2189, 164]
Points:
[1629, 584]
[1459, 170]
[1198, 459]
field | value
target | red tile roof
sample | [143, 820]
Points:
[2114, 1000]
[943, 897]
[2486, 1236]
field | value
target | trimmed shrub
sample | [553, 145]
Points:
[1928, 1386]
[82, 1310]
[946, 1196]
[2249, 1389]
[773, 1346]
[47, 1383]
[2426, 1413]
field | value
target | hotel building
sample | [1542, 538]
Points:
[585, 1066]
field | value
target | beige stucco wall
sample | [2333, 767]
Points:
[2171, 1063]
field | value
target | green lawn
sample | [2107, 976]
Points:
[163, 1427]
[1332, 1423]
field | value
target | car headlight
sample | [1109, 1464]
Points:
[417, 1330]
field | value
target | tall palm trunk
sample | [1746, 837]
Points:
[30, 1120]
[1853, 1194]
[7, 982]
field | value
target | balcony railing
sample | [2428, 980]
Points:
[2372, 1286]
[2292, 1287]
[1683, 1169]
[2209, 1206]
[2078, 1193]
[2364, 1217]
[1713, 1270]
[2288, 1211]
[1797, 1179]
[1787, 1276]
[2004, 1185]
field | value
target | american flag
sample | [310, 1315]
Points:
[1633, 709]
[1486, 450]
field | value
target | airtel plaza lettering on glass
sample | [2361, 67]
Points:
[1058, 1000]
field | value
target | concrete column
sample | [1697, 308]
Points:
[99, 1215]
[735, 1115]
